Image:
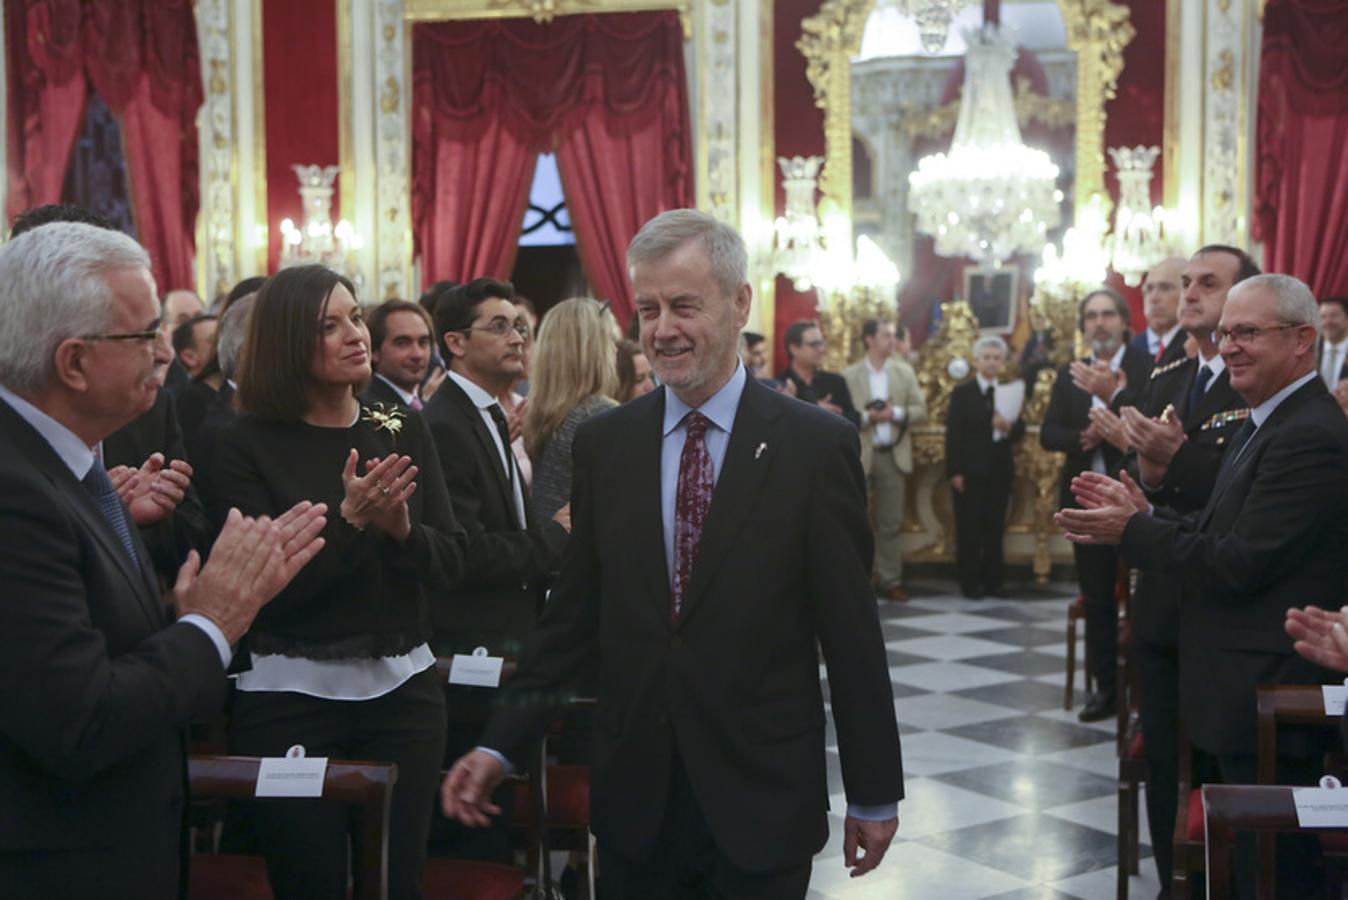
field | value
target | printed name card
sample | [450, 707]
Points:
[292, 775]
[1322, 807]
[1336, 695]
[477, 670]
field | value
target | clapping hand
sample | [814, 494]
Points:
[1109, 504]
[1109, 426]
[515, 419]
[251, 562]
[1098, 379]
[152, 492]
[826, 402]
[1319, 635]
[380, 496]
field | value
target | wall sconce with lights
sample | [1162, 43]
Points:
[319, 241]
[1142, 232]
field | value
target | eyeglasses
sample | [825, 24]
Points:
[150, 334]
[816, 345]
[500, 328]
[1246, 334]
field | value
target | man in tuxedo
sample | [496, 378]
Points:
[97, 681]
[1331, 352]
[893, 403]
[978, 464]
[509, 556]
[1160, 304]
[1112, 377]
[709, 767]
[400, 338]
[1271, 536]
[804, 375]
[1178, 455]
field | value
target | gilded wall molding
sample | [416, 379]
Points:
[1097, 30]
[218, 236]
[392, 154]
[542, 10]
[1225, 146]
[717, 177]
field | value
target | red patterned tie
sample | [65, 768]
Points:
[691, 500]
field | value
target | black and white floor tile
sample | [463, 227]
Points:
[1008, 796]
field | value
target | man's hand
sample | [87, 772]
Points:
[432, 384]
[999, 422]
[251, 562]
[883, 414]
[1097, 378]
[563, 517]
[1109, 426]
[466, 792]
[1112, 507]
[826, 402]
[1320, 635]
[1155, 439]
[515, 419]
[871, 837]
[1096, 491]
[152, 492]
[1090, 437]
[957, 483]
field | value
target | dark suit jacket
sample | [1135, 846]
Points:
[783, 568]
[1069, 414]
[969, 448]
[1188, 480]
[187, 529]
[1271, 536]
[377, 390]
[824, 384]
[507, 566]
[96, 687]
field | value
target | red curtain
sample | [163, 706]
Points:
[607, 92]
[1301, 176]
[141, 58]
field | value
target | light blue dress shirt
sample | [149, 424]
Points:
[79, 458]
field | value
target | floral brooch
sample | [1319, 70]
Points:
[384, 419]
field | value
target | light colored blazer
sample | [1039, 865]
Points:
[903, 392]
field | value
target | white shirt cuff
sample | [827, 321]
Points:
[214, 633]
[499, 757]
[880, 813]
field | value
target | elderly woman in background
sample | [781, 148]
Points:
[340, 659]
[573, 376]
[634, 372]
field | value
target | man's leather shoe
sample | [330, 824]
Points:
[896, 593]
[1098, 708]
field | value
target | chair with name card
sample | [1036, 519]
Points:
[366, 786]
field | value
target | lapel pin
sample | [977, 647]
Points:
[759, 451]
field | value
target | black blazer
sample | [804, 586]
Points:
[824, 384]
[377, 390]
[1271, 536]
[187, 529]
[507, 565]
[96, 688]
[969, 448]
[783, 569]
[1069, 414]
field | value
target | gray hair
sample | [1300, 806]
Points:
[53, 287]
[670, 230]
[991, 340]
[233, 330]
[1295, 303]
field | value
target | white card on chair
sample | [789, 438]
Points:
[292, 775]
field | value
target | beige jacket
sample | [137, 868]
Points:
[903, 392]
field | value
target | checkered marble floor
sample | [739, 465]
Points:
[1008, 796]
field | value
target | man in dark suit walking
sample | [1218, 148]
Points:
[509, 556]
[978, 463]
[1112, 377]
[97, 682]
[1270, 537]
[709, 772]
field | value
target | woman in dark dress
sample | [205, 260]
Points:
[340, 662]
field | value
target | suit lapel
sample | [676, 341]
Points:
[645, 502]
[486, 446]
[749, 455]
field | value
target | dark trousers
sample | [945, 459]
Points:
[305, 841]
[1158, 707]
[687, 864]
[468, 710]
[1097, 572]
[980, 520]
[1300, 864]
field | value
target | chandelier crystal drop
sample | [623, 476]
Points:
[990, 197]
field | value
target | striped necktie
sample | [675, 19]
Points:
[97, 483]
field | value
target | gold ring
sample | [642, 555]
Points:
[383, 490]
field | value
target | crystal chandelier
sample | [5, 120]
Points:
[319, 241]
[990, 197]
[797, 240]
[1141, 237]
[933, 19]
